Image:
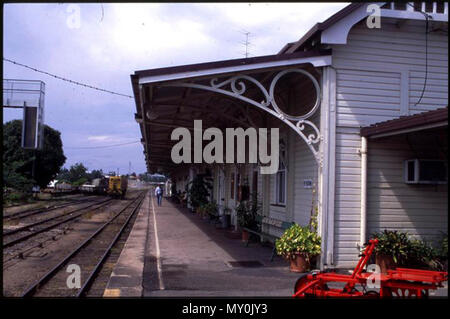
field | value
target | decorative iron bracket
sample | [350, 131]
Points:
[237, 88]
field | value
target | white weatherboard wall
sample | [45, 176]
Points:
[380, 73]
[420, 210]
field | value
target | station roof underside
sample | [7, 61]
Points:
[161, 106]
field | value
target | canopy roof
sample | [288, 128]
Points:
[163, 103]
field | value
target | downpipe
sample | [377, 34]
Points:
[363, 226]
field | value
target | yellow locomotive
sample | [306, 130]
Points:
[117, 186]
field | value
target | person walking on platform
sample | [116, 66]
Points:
[158, 194]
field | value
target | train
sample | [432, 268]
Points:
[114, 186]
[99, 186]
[117, 186]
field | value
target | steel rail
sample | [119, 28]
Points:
[22, 204]
[87, 284]
[19, 229]
[32, 289]
[22, 238]
[31, 212]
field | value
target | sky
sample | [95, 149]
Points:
[110, 41]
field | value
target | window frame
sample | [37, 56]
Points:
[282, 168]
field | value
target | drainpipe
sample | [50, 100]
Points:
[363, 153]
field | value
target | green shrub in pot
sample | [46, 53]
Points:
[211, 208]
[246, 215]
[422, 255]
[298, 240]
[394, 244]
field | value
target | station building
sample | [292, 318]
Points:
[363, 120]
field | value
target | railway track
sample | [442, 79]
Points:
[90, 256]
[31, 212]
[60, 199]
[46, 224]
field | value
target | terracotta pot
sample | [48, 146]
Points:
[245, 236]
[299, 264]
[385, 262]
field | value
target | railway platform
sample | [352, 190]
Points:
[173, 253]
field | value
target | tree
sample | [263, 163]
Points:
[18, 162]
[63, 175]
[96, 174]
[78, 174]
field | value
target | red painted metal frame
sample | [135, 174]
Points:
[402, 282]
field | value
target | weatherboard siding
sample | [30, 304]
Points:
[421, 210]
[380, 75]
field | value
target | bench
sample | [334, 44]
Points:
[264, 220]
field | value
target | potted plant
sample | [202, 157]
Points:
[198, 190]
[200, 210]
[422, 255]
[246, 213]
[210, 209]
[392, 249]
[443, 252]
[299, 244]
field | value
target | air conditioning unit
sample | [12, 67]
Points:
[417, 171]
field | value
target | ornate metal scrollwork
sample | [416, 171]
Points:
[237, 89]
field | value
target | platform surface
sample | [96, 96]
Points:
[171, 252]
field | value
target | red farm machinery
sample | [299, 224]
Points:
[399, 282]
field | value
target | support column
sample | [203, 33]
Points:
[326, 196]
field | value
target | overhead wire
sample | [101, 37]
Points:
[427, 17]
[65, 79]
[104, 146]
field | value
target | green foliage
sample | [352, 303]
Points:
[210, 208]
[18, 162]
[298, 240]
[406, 251]
[80, 181]
[98, 174]
[16, 180]
[246, 213]
[152, 177]
[63, 175]
[78, 172]
[198, 190]
[421, 254]
[443, 249]
[393, 243]
[13, 197]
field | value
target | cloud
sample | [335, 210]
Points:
[114, 40]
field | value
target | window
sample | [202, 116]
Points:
[280, 178]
